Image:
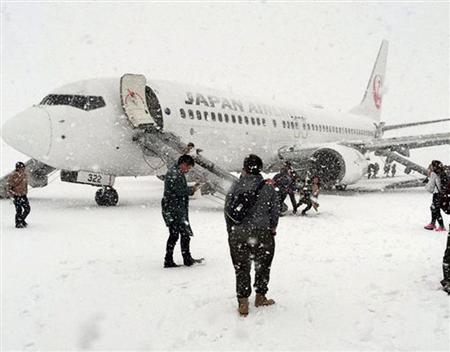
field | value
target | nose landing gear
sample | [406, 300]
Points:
[106, 196]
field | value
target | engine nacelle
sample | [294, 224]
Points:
[337, 165]
[334, 164]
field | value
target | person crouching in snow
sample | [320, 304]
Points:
[434, 186]
[309, 194]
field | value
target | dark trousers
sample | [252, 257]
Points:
[446, 261]
[248, 246]
[307, 201]
[282, 197]
[176, 231]
[436, 210]
[22, 209]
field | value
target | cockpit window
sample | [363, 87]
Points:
[84, 102]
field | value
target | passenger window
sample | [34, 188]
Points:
[233, 118]
[199, 115]
[191, 114]
[219, 117]
[264, 122]
[274, 123]
[292, 125]
[213, 116]
[246, 120]
[253, 120]
[284, 124]
[182, 113]
[258, 121]
[240, 119]
[205, 114]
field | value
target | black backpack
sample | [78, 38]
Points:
[238, 206]
[445, 189]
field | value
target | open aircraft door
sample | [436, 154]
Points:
[132, 95]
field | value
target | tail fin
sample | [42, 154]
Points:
[372, 99]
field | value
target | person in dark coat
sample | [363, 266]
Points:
[285, 185]
[17, 188]
[445, 282]
[309, 194]
[175, 210]
[253, 238]
[434, 186]
[393, 170]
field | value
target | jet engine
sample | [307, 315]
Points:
[336, 165]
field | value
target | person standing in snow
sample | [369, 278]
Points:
[434, 186]
[285, 185]
[253, 236]
[17, 188]
[386, 169]
[376, 168]
[175, 210]
[445, 282]
[393, 170]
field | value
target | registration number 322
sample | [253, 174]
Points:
[95, 179]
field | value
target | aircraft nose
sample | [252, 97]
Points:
[29, 132]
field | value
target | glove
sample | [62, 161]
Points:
[294, 211]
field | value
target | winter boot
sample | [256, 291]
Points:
[168, 261]
[243, 306]
[170, 264]
[430, 226]
[261, 300]
[446, 271]
[440, 229]
[189, 261]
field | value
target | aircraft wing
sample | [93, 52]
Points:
[407, 142]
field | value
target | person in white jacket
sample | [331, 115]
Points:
[434, 186]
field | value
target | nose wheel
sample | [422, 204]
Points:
[106, 196]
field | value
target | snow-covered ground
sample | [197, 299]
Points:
[361, 274]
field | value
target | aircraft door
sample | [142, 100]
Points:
[132, 95]
[300, 128]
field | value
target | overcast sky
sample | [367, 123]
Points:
[299, 53]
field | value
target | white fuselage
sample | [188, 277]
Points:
[226, 127]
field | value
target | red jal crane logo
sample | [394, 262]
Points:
[377, 82]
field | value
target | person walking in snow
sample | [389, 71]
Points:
[252, 235]
[376, 168]
[434, 186]
[386, 169]
[175, 210]
[309, 194]
[17, 188]
[393, 170]
[285, 184]
[445, 282]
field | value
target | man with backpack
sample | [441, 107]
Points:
[435, 185]
[251, 215]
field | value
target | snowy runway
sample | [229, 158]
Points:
[361, 274]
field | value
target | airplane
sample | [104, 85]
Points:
[94, 130]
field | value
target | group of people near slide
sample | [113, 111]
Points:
[252, 209]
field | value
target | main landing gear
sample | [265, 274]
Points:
[106, 196]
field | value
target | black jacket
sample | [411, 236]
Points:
[175, 202]
[264, 214]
